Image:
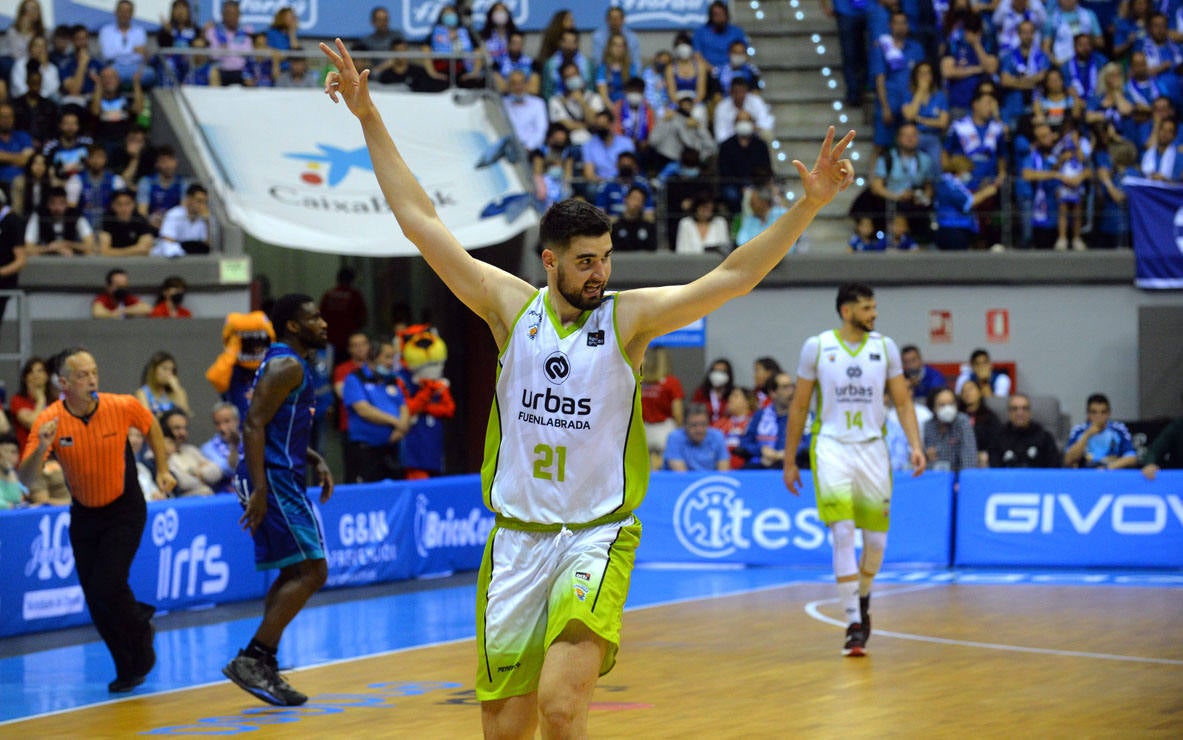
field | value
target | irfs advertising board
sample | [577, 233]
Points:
[193, 552]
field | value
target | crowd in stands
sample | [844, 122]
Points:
[724, 426]
[79, 174]
[687, 126]
[1010, 122]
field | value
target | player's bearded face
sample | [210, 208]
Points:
[582, 290]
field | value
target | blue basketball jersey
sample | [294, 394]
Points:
[288, 432]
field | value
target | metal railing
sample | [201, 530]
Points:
[317, 61]
[24, 322]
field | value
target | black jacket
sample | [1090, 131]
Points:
[1029, 447]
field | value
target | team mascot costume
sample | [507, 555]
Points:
[245, 339]
[429, 399]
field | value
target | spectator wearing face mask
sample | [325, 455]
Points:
[742, 98]
[378, 418]
[715, 388]
[634, 118]
[949, 442]
[117, 301]
[602, 151]
[688, 72]
[574, 106]
[169, 300]
[739, 64]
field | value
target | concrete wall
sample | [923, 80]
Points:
[122, 348]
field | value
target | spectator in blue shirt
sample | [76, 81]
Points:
[922, 379]
[603, 149]
[954, 203]
[378, 418]
[1100, 442]
[222, 448]
[696, 446]
[764, 441]
[760, 209]
[614, 25]
[15, 146]
[713, 39]
[610, 197]
[852, 37]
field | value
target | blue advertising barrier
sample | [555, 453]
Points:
[351, 18]
[750, 518]
[1076, 518]
[193, 552]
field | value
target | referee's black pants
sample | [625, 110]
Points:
[105, 540]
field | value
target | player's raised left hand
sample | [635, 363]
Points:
[831, 174]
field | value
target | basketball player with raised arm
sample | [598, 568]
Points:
[565, 455]
[847, 370]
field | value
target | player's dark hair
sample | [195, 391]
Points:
[286, 309]
[852, 293]
[909, 348]
[978, 353]
[571, 218]
[1097, 398]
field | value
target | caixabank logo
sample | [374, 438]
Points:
[713, 520]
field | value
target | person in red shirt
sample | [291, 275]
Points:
[86, 431]
[359, 354]
[117, 301]
[344, 307]
[168, 300]
[741, 405]
[662, 401]
[716, 388]
[31, 398]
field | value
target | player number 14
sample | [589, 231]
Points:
[551, 463]
[855, 420]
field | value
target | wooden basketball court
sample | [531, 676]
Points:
[946, 660]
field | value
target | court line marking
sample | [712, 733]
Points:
[812, 609]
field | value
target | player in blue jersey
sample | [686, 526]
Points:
[270, 485]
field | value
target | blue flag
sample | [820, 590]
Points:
[1156, 222]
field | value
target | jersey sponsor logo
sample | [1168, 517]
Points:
[853, 392]
[557, 368]
[535, 321]
[553, 403]
[595, 338]
[65, 442]
[854, 371]
[875, 356]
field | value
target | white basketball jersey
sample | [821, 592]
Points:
[565, 442]
[850, 383]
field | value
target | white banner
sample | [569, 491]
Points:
[293, 169]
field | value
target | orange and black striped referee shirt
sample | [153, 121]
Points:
[93, 452]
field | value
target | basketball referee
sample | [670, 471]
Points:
[86, 431]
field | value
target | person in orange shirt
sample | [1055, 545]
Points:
[87, 433]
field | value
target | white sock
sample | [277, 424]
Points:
[848, 598]
[874, 544]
